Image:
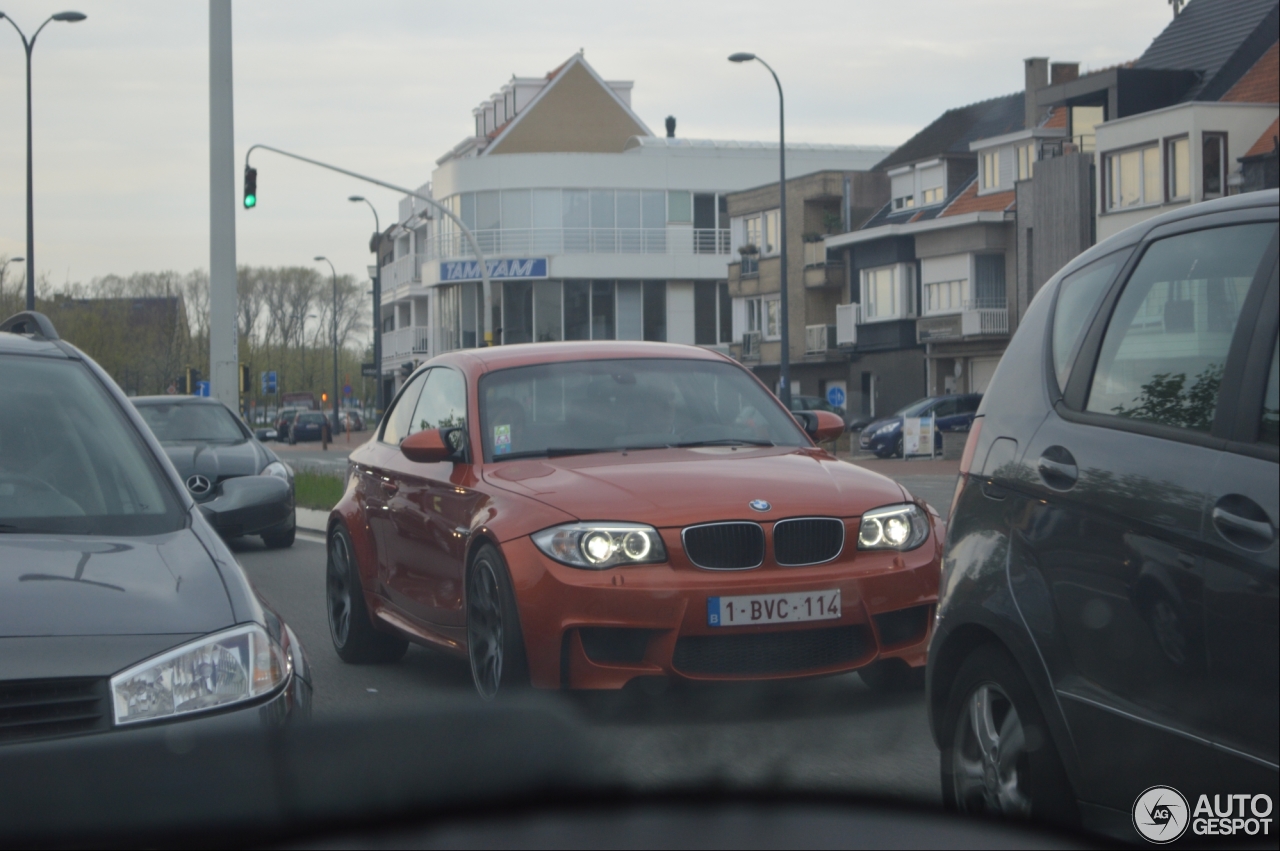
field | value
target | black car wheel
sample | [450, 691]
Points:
[350, 627]
[897, 449]
[997, 756]
[494, 643]
[278, 540]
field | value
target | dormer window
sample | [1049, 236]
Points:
[991, 169]
[906, 202]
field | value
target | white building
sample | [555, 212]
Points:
[594, 228]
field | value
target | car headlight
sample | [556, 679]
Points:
[885, 429]
[278, 469]
[893, 527]
[595, 546]
[215, 671]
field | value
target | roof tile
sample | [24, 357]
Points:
[1262, 82]
[969, 201]
[1266, 142]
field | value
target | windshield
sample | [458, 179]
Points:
[916, 408]
[608, 405]
[70, 462]
[310, 419]
[196, 422]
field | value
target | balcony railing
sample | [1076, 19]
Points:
[819, 338]
[848, 317]
[750, 264]
[1050, 148]
[405, 270]
[750, 344]
[985, 322]
[405, 341]
[526, 241]
[815, 253]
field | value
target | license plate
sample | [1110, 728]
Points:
[760, 609]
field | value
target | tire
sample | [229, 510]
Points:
[892, 675]
[495, 644]
[350, 627]
[897, 449]
[993, 725]
[280, 540]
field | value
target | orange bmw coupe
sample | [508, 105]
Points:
[579, 515]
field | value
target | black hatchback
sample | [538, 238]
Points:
[1108, 612]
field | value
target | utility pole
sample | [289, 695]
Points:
[224, 373]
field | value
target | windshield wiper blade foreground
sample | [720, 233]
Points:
[726, 441]
[562, 451]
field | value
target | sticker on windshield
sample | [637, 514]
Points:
[501, 439]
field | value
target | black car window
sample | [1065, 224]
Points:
[399, 417]
[1078, 294]
[1166, 343]
[443, 402]
[945, 408]
[187, 421]
[1269, 427]
[968, 404]
[71, 462]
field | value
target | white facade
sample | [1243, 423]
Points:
[1171, 157]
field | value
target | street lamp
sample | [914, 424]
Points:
[28, 46]
[784, 366]
[377, 304]
[5, 268]
[334, 272]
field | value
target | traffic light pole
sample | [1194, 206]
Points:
[223, 347]
[466, 231]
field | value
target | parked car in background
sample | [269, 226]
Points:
[347, 420]
[120, 607]
[815, 403]
[562, 471]
[209, 445]
[950, 413]
[1110, 579]
[283, 420]
[306, 425]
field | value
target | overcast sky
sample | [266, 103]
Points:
[121, 99]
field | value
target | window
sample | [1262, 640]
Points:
[704, 313]
[401, 413]
[679, 208]
[1026, 160]
[945, 296]
[577, 310]
[1177, 168]
[882, 291]
[517, 314]
[1133, 178]
[1078, 294]
[932, 182]
[771, 243]
[751, 232]
[906, 202]
[546, 311]
[655, 311]
[726, 313]
[1213, 164]
[1269, 427]
[772, 318]
[443, 402]
[991, 169]
[755, 316]
[602, 315]
[932, 196]
[1166, 344]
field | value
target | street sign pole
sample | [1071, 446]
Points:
[223, 346]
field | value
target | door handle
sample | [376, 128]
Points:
[1058, 468]
[390, 488]
[1249, 532]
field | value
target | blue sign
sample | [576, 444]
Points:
[202, 388]
[346, 390]
[268, 382]
[499, 270]
[835, 397]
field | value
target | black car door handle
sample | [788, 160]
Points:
[1058, 468]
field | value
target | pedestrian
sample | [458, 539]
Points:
[325, 434]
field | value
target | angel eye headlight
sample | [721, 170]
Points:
[893, 527]
[596, 546]
[217, 670]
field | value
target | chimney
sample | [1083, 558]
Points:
[1037, 77]
[671, 126]
[1063, 72]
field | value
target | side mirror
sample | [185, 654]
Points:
[820, 425]
[433, 445]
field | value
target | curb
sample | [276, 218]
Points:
[312, 520]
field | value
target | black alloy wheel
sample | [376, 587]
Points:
[350, 627]
[495, 646]
[998, 758]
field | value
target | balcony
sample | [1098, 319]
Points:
[751, 345]
[980, 318]
[405, 270]
[828, 275]
[985, 322]
[405, 342]
[815, 253]
[848, 318]
[819, 338]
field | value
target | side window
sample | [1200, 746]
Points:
[443, 402]
[1078, 293]
[1269, 427]
[398, 418]
[969, 404]
[1167, 341]
[945, 408]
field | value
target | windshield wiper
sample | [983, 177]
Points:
[562, 451]
[726, 441]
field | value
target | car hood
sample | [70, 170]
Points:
[215, 461]
[61, 585]
[676, 487]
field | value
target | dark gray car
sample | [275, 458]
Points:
[1108, 618]
[209, 445]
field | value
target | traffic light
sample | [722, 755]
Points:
[193, 376]
[250, 188]
[180, 384]
[324, 397]
[244, 378]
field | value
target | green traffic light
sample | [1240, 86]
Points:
[250, 201]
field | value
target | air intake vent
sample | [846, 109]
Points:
[903, 625]
[807, 540]
[770, 652]
[725, 546]
[41, 709]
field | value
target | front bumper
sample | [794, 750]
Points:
[878, 443]
[600, 629]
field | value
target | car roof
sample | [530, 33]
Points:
[26, 344]
[528, 354]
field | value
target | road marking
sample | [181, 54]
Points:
[312, 538]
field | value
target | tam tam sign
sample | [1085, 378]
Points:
[500, 270]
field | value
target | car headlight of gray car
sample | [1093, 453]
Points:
[213, 672]
[279, 469]
[893, 527]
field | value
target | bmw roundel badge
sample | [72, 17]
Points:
[759, 505]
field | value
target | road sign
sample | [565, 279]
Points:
[202, 388]
[346, 390]
[369, 370]
[835, 397]
[268, 382]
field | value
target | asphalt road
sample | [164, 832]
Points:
[824, 734]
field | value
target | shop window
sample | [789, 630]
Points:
[704, 313]
[655, 311]
[577, 310]
[602, 314]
